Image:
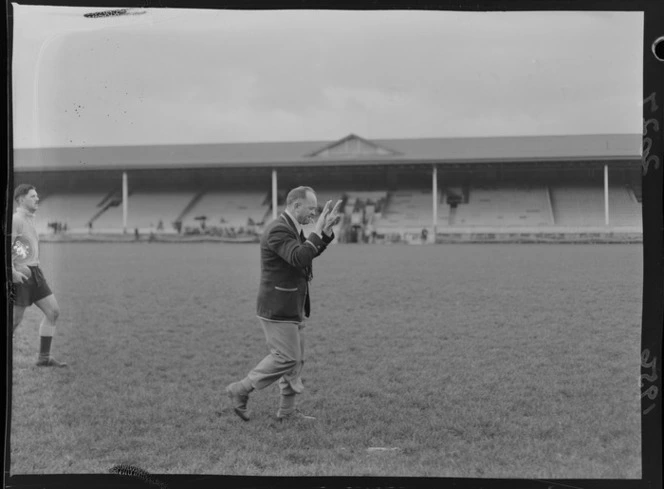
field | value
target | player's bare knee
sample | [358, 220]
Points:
[18, 317]
[53, 314]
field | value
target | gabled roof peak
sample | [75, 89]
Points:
[352, 146]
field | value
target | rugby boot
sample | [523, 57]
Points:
[239, 399]
[50, 362]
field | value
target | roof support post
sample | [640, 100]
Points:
[606, 194]
[434, 184]
[274, 193]
[125, 201]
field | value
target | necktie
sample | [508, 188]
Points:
[302, 238]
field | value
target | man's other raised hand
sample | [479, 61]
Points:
[332, 218]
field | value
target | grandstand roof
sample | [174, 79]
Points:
[350, 150]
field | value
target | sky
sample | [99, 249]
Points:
[162, 76]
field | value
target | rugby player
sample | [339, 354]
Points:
[30, 286]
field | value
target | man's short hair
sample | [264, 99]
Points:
[23, 190]
[298, 193]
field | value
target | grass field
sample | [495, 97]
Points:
[470, 360]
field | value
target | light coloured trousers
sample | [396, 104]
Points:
[286, 358]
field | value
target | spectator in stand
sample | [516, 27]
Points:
[371, 233]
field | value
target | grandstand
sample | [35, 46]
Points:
[407, 209]
[75, 210]
[624, 208]
[497, 185]
[324, 195]
[146, 210]
[227, 208]
[583, 205]
[507, 205]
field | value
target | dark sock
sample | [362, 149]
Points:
[45, 347]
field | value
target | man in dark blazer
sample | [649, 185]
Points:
[283, 299]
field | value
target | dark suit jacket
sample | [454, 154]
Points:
[286, 259]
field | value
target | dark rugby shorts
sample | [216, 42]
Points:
[32, 290]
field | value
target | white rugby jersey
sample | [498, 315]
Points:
[25, 240]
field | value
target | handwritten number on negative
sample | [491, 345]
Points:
[645, 355]
[652, 391]
[648, 159]
[655, 124]
[653, 102]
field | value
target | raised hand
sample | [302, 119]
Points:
[332, 218]
[320, 224]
